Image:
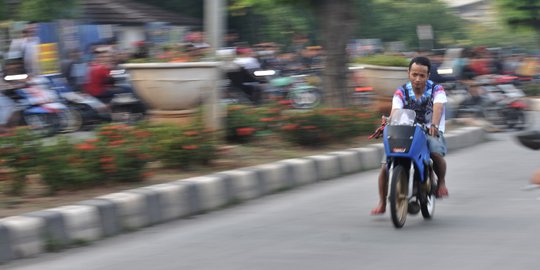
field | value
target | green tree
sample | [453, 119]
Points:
[395, 20]
[3, 14]
[335, 22]
[192, 8]
[263, 21]
[521, 14]
[48, 10]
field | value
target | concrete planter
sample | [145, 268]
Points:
[176, 88]
[384, 80]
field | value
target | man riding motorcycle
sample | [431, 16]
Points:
[428, 100]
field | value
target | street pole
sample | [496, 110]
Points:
[214, 23]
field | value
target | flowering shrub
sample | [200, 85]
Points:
[324, 126]
[242, 123]
[183, 147]
[118, 153]
[125, 152]
[17, 152]
[67, 166]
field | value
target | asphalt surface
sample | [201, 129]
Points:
[490, 221]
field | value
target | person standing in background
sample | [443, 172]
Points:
[28, 47]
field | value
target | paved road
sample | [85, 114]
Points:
[490, 222]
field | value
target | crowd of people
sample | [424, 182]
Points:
[470, 63]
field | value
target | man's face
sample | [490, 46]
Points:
[418, 75]
[30, 30]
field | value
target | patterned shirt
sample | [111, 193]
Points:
[423, 105]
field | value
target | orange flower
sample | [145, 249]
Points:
[93, 140]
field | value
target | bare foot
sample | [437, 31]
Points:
[442, 191]
[379, 210]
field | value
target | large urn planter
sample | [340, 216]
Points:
[384, 80]
[174, 91]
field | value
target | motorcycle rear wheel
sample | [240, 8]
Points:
[398, 196]
[70, 120]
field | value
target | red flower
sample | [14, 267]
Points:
[190, 147]
[143, 134]
[85, 146]
[93, 140]
[363, 115]
[117, 142]
[290, 127]
[267, 119]
[106, 159]
[245, 131]
[147, 174]
[191, 133]
[285, 102]
[309, 127]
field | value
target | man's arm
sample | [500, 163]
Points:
[436, 121]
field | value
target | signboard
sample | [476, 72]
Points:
[48, 58]
[424, 31]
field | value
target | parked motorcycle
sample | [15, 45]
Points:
[412, 181]
[90, 109]
[500, 104]
[298, 90]
[39, 107]
[125, 105]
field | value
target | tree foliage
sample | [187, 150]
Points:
[395, 20]
[191, 8]
[48, 10]
[521, 14]
[3, 13]
[259, 21]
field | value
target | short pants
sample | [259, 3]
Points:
[435, 145]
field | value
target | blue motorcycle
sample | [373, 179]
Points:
[410, 168]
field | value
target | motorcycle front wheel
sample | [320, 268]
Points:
[516, 119]
[398, 196]
[42, 125]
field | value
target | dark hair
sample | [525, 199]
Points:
[421, 60]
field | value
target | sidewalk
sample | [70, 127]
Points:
[37, 232]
